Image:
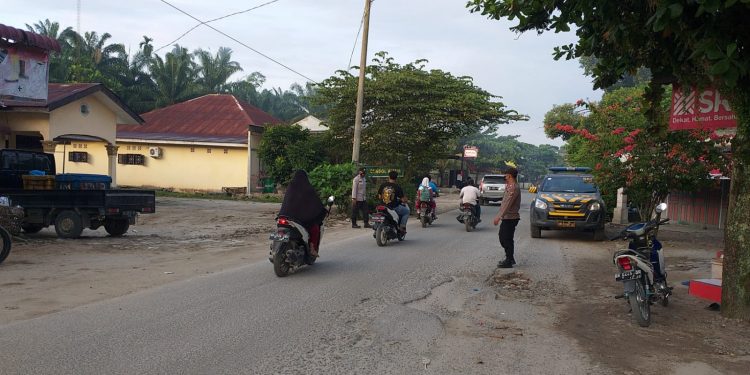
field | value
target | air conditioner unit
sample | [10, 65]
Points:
[154, 152]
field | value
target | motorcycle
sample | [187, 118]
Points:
[385, 225]
[425, 214]
[642, 268]
[468, 217]
[290, 248]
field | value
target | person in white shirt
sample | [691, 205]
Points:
[470, 194]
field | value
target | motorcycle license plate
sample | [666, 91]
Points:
[628, 275]
[566, 224]
[279, 236]
[377, 218]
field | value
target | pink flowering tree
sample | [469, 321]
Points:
[613, 137]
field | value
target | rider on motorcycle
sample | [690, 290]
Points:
[470, 194]
[426, 193]
[302, 205]
[392, 196]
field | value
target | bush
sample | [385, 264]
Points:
[336, 180]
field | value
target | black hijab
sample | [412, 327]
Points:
[301, 202]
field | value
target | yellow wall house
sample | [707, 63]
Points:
[77, 123]
[204, 144]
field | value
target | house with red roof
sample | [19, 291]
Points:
[56, 118]
[204, 144]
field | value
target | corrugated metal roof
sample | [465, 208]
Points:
[208, 118]
[28, 38]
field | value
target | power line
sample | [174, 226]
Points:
[356, 39]
[212, 20]
[240, 43]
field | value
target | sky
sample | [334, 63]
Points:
[316, 38]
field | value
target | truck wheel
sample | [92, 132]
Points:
[68, 224]
[536, 232]
[6, 244]
[116, 227]
[32, 228]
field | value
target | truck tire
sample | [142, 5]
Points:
[116, 227]
[5, 251]
[68, 224]
[32, 228]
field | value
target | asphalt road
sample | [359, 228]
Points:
[360, 309]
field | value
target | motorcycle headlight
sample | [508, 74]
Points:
[540, 204]
[596, 206]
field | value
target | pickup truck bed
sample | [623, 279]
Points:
[70, 211]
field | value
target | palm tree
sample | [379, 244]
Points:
[58, 62]
[138, 89]
[174, 76]
[214, 71]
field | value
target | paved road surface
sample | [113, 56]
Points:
[418, 305]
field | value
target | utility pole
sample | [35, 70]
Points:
[361, 86]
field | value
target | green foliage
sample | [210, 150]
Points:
[334, 180]
[648, 164]
[411, 114]
[285, 149]
[494, 151]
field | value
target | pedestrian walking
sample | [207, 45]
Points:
[359, 200]
[509, 216]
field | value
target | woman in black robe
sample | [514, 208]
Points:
[302, 204]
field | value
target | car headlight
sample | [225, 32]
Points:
[540, 204]
[596, 206]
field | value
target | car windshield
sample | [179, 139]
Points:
[494, 179]
[569, 184]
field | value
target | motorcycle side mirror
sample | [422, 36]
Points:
[661, 208]
[330, 200]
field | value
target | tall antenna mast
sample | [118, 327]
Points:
[78, 17]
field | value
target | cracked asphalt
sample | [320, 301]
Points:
[424, 305]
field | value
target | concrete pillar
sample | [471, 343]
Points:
[620, 215]
[112, 159]
[50, 146]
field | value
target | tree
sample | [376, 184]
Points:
[285, 149]
[214, 71]
[704, 43]
[410, 113]
[174, 76]
[641, 77]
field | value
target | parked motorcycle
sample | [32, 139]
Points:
[425, 214]
[468, 217]
[290, 247]
[385, 225]
[642, 268]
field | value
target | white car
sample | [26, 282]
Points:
[491, 188]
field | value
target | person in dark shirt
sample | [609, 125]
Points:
[302, 204]
[509, 216]
[392, 196]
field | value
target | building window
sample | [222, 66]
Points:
[139, 148]
[226, 150]
[208, 150]
[78, 157]
[131, 159]
[22, 69]
[192, 149]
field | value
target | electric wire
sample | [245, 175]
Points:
[356, 39]
[212, 20]
[240, 43]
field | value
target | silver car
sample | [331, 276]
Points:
[492, 188]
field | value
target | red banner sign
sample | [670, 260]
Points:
[471, 152]
[704, 110]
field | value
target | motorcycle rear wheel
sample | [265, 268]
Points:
[424, 221]
[640, 305]
[280, 265]
[381, 236]
[467, 224]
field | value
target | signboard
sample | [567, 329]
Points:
[471, 152]
[23, 73]
[704, 110]
[376, 171]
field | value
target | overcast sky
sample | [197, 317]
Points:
[315, 38]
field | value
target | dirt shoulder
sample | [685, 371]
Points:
[684, 337]
[185, 238]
